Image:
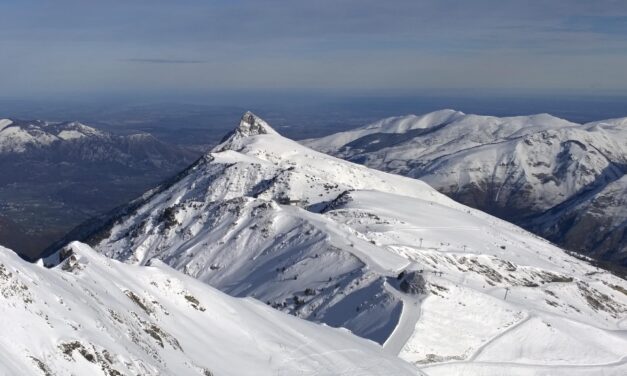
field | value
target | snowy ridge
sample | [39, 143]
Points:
[44, 141]
[18, 137]
[384, 256]
[5, 123]
[96, 316]
[399, 124]
[531, 170]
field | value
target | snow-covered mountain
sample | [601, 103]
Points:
[67, 141]
[448, 288]
[19, 136]
[561, 180]
[95, 316]
[53, 176]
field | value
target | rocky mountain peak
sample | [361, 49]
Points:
[252, 125]
[249, 125]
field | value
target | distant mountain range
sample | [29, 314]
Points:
[447, 288]
[561, 180]
[56, 175]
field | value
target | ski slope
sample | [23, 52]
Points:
[335, 242]
[556, 178]
[91, 315]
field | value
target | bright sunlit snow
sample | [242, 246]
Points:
[338, 243]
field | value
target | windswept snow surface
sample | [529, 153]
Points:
[95, 316]
[336, 243]
[5, 123]
[547, 174]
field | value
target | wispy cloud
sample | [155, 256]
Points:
[326, 44]
[163, 61]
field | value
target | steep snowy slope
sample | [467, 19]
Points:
[444, 286]
[5, 123]
[533, 170]
[599, 219]
[96, 316]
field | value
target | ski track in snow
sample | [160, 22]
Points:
[407, 323]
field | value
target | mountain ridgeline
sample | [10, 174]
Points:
[447, 288]
[95, 316]
[561, 180]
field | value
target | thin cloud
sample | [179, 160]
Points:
[326, 44]
[164, 61]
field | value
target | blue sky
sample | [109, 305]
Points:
[87, 46]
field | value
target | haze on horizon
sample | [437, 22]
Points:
[76, 46]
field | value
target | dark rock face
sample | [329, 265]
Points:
[595, 225]
[250, 125]
[413, 283]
